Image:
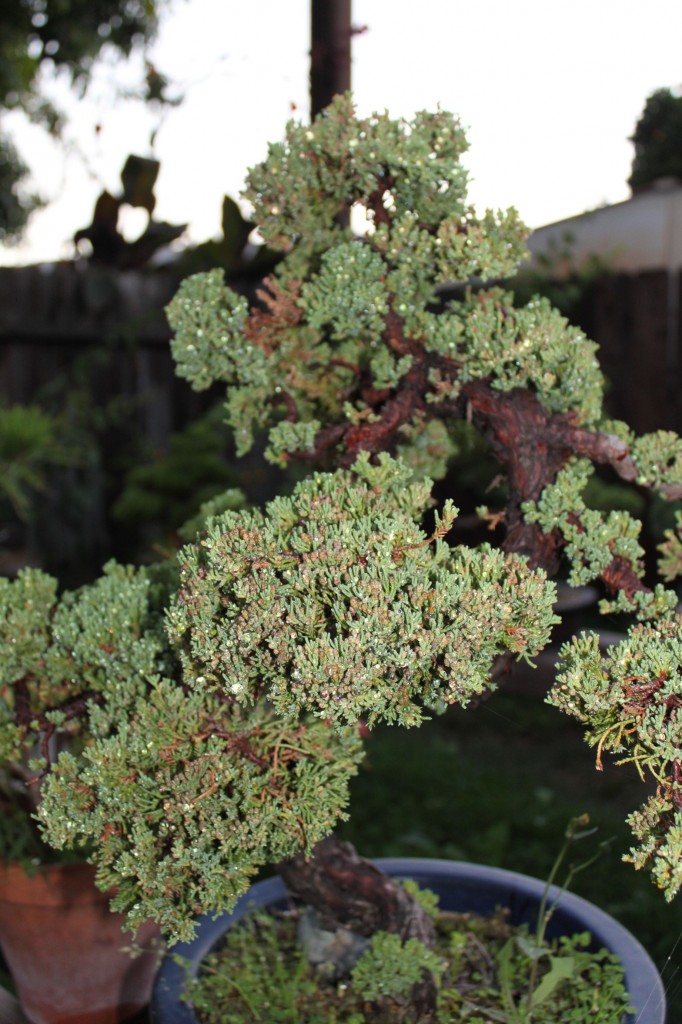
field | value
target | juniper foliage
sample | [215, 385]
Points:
[288, 627]
[354, 350]
[347, 317]
[215, 706]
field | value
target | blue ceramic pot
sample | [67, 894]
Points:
[462, 887]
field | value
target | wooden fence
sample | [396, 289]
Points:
[52, 316]
[90, 345]
[73, 322]
[80, 333]
[637, 321]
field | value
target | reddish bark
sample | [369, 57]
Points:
[619, 576]
[351, 892]
[532, 443]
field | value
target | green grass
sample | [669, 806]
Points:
[498, 784]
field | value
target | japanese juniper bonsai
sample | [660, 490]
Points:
[231, 743]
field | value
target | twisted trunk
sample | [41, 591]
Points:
[350, 892]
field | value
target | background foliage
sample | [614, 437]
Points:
[55, 35]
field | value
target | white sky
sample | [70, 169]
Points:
[549, 89]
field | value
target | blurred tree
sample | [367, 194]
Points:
[658, 140]
[68, 35]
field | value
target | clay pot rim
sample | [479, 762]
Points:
[50, 884]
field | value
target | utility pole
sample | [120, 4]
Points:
[330, 51]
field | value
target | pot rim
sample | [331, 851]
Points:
[53, 884]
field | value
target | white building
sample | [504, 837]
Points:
[634, 251]
[642, 233]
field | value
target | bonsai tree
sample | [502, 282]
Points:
[60, 654]
[290, 631]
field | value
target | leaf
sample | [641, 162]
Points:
[138, 178]
[505, 975]
[236, 229]
[562, 969]
[530, 948]
[156, 236]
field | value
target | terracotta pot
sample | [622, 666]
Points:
[469, 887]
[66, 950]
